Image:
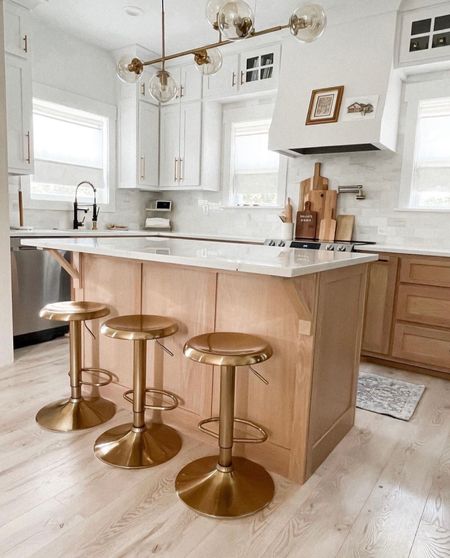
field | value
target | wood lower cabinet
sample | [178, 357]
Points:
[407, 318]
[380, 300]
[425, 346]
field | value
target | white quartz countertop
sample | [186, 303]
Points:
[443, 251]
[266, 260]
[72, 233]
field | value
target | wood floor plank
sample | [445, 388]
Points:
[433, 535]
[57, 500]
[389, 520]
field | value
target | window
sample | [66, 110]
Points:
[426, 162]
[430, 186]
[255, 176]
[74, 140]
[69, 146]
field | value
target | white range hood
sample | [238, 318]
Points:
[358, 54]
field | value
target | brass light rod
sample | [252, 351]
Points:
[210, 46]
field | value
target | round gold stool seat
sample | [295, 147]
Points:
[226, 486]
[77, 412]
[140, 444]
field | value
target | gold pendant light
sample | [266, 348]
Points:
[234, 21]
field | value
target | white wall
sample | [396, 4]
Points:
[67, 63]
[376, 217]
[6, 342]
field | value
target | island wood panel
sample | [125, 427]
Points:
[117, 283]
[338, 335]
[380, 304]
[259, 305]
[278, 310]
[187, 295]
[424, 304]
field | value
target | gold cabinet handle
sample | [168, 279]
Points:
[142, 167]
[233, 80]
[242, 77]
[181, 162]
[182, 91]
[143, 89]
[175, 175]
[25, 43]
[28, 158]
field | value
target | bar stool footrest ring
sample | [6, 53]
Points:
[154, 391]
[106, 373]
[248, 440]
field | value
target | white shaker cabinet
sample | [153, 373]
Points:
[138, 144]
[189, 81]
[181, 141]
[169, 146]
[17, 32]
[148, 145]
[225, 82]
[190, 144]
[19, 113]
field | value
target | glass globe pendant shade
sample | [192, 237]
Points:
[236, 20]
[212, 12]
[129, 71]
[208, 62]
[162, 87]
[308, 22]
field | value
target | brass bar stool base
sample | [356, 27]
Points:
[130, 448]
[245, 490]
[69, 415]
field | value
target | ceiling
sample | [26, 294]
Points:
[105, 23]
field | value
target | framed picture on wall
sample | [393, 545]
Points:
[325, 105]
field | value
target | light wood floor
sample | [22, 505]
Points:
[384, 492]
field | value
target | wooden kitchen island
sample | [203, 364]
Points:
[308, 304]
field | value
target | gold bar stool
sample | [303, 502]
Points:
[226, 486]
[77, 412]
[138, 445]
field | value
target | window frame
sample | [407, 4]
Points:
[78, 102]
[415, 92]
[249, 113]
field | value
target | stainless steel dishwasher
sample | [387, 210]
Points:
[37, 279]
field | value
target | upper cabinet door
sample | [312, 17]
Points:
[169, 146]
[225, 82]
[190, 144]
[16, 25]
[19, 108]
[190, 83]
[143, 85]
[424, 35]
[148, 163]
[259, 69]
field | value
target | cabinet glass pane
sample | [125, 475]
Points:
[267, 59]
[441, 40]
[252, 62]
[420, 27]
[266, 73]
[442, 22]
[421, 43]
[252, 76]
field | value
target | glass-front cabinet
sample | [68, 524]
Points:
[246, 72]
[425, 35]
[259, 69]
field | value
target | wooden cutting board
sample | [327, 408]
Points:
[306, 223]
[344, 227]
[324, 203]
[316, 182]
[327, 230]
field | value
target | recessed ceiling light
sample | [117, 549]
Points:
[133, 11]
